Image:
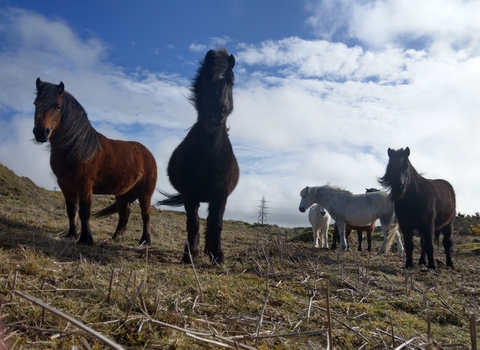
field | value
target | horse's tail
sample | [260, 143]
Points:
[111, 209]
[172, 200]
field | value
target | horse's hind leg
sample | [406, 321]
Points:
[146, 210]
[213, 243]
[369, 238]
[360, 238]
[448, 244]
[123, 205]
[193, 227]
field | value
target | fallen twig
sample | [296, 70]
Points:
[78, 324]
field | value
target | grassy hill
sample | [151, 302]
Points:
[273, 291]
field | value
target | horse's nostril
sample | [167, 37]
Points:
[46, 132]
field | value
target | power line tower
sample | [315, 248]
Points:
[262, 213]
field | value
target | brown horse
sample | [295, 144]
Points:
[85, 162]
[360, 229]
[203, 168]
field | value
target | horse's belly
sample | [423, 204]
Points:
[359, 222]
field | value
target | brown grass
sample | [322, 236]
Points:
[271, 292]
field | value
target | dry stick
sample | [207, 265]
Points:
[401, 346]
[133, 301]
[198, 334]
[260, 319]
[15, 279]
[128, 281]
[310, 304]
[195, 273]
[110, 286]
[329, 319]
[429, 327]
[473, 329]
[391, 325]
[76, 271]
[146, 266]
[66, 317]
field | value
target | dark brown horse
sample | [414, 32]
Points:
[420, 204]
[85, 162]
[203, 167]
[360, 229]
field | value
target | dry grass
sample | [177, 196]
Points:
[271, 292]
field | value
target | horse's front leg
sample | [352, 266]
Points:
[387, 239]
[408, 241]
[213, 239]
[71, 204]
[85, 204]
[325, 236]
[369, 238]
[315, 236]
[193, 227]
[341, 233]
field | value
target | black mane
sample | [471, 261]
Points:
[216, 66]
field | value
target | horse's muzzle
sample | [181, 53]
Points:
[302, 209]
[41, 135]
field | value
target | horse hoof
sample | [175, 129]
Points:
[85, 242]
[216, 261]
[145, 242]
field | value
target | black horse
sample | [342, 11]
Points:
[420, 204]
[203, 167]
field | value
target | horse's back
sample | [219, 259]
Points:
[364, 208]
[129, 163]
[445, 203]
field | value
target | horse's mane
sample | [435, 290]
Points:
[75, 136]
[219, 68]
[336, 189]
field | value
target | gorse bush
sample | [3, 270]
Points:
[474, 229]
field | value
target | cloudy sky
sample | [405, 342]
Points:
[322, 90]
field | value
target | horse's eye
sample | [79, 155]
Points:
[58, 108]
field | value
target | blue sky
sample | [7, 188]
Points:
[322, 88]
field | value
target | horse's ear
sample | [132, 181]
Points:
[209, 57]
[61, 88]
[406, 153]
[231, 61]
[390, 151]
[38, 82]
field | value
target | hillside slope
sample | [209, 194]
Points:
[271, 292]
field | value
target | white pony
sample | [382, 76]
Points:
[319, 219]
[354, 209]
